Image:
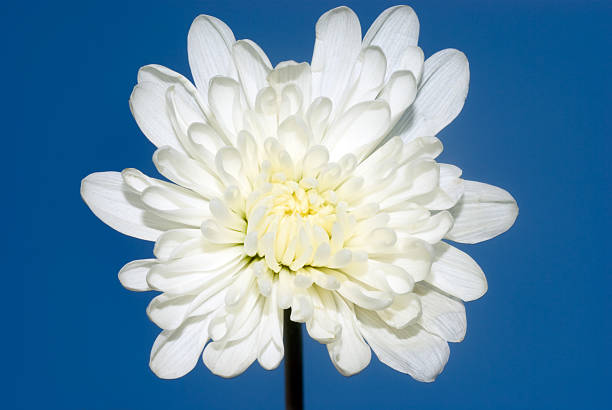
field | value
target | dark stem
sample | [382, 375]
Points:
[294, 378]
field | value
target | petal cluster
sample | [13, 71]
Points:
[313, 187]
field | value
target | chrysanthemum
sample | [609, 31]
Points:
[313, 187]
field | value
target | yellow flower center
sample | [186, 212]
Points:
[289, 201]
[287, 220]
[294, 222]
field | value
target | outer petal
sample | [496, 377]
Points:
[289, 73]
[367, 78]
[403, 312]
[171, 244]
[349, 353]
[233, 354]
[168, 311]
[412, 60]
[133, 276]
[224, 98]
[410, 350]
[396, 29]
[358, 130]
[119, 207]
[483, 212]
[149, 104]
[456, 273]
[253, 67]
[209, 45]
[440, 98]
[323, 326]
[192, 273]
[337, 45]
[270, 338]
[399, 92]
[449, 191]
[434, 228]
[175, 352]
[232, 358]
[441, 314]
[186, 172]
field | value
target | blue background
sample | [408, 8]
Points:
[536, 122]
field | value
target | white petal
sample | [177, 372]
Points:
[483, 212]
[415, 178]
[209, 45]
[317, 115]
[409, 350]
[246, 316]
[111, 200]
[295, 137]
[166, 77]
[404, 310]
[393, 31]
[231, 168]
[414, 256]
[441, 315]
[148, 106]
[397, 278]
[133, 276]
[168, 311]
[421, 148]
[381, 162]
[432, 229]
[399, 92]
[253, 67]
[270, 339]
[448, 193]
[170, 241]
[301, 306]
[367, 78]
[204, 141]
[456, 273]
[170, 196]
[337, 45]
[168, 201]
[412, 60]
[291, 73]
[359, 129]
[170, 204]
[440, 98]
[349, 352]
[212, 257]
[209, 300]
[228, 357]
[239, 289]
[369, 299]
[407, 215]
[225, 100]
[191, 274]
[323, 326]
[270, 355]
[175, 352]
[188, 173]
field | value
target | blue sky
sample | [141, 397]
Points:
[536, 122]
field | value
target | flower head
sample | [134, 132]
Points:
[313, 187]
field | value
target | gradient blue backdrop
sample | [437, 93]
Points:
[536, 122]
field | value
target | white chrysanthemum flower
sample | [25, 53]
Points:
[305, 186]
